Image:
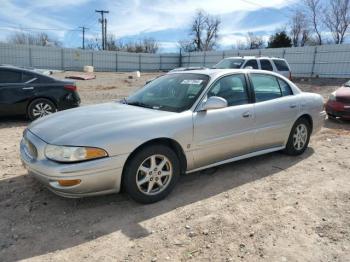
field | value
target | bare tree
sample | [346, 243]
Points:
[299, 31]
[337, 19]
[40, 39]
[315, 9]
[241, 45]
[212, 29]
[187, 46]
[111, 43]
[204, 32]
[150, 45]
[254, 41]
[146, 45]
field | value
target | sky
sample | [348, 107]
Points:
[168, 21]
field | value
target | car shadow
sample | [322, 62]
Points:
[34, 221]
[14, 121]
[337, 124]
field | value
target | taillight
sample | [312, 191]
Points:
[70, 87]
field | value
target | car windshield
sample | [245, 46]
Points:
[174, 92]
[229, 64]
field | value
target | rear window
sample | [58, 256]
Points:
[27, 77]
[229, 64]
[281, 65]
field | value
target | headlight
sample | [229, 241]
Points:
[332, 97]
[72, 153]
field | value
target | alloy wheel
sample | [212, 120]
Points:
[300, 137]
[42, 109]
[154, 174]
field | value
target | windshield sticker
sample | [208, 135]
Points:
[191, 82]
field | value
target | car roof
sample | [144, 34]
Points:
[213, 72]
[254, 57]
[216, 73]
[22, 69]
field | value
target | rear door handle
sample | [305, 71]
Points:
[246, 114]
[28, 88]
[293, 106]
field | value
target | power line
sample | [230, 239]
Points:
[36, 28]
[262, 6]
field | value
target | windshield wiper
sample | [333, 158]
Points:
[140, 104]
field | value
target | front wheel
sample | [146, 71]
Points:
[299, 137]
[40, 107]
[151, 174]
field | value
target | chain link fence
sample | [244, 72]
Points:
[310, 61]
[76, 59]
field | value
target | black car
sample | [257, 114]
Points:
[26, 92]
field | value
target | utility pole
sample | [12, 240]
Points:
[106, 47]
[103, 22]
[83, 28]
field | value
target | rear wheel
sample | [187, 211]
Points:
[40, 107]
[151, 174]
[299, 137]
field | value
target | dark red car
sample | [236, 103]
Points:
[338, 104]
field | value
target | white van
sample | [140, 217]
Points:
[278, 65]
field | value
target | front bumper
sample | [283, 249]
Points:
[101, 176]
[318, 122]
[338, 109]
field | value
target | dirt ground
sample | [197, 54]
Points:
[269, 208]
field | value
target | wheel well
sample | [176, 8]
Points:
[308, 118]
[174, 145]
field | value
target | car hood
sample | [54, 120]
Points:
[343, 94]
[87, 123]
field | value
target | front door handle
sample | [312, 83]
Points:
[246, 114]
[28, 88]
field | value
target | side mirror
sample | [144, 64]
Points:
[213, 102]
[248, 67]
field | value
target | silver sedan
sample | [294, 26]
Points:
[179, 123]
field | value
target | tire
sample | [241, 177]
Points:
[142, 180]
[40, 107]
[298, 141]
[330, 116]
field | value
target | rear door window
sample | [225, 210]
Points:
[253, 63]
[285, 88]
[266, 87]
[10, 76]
[27, 77]
[281, 65]
[266, 65]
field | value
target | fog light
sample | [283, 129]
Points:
[73, 182]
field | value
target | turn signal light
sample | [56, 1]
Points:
[92, 152]
[73, 182]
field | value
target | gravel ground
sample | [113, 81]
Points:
[269, 208]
